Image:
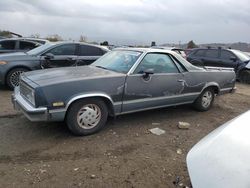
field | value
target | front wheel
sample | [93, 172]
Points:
[205, 100]
[12, 79]
[87, 116]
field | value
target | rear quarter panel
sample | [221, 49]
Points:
[198, 80]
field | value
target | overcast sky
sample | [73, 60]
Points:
[130, 21]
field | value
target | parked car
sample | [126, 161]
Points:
[188, 51]
[10, 45]
[178, 50]
[221, 159]
[50, 55]
[223, 58]
[120, 82]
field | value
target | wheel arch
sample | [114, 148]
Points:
[106, 98]
[15, 67]
[213, 85]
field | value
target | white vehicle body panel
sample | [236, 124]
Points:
[248, 65]
[221, 159]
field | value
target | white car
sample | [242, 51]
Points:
[221, 159]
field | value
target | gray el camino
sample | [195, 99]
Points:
[122, 81]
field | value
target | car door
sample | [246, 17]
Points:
[88, 54]
[156, 82]
[228, 59]
[197, 57]
[211, 58]
[63, 55]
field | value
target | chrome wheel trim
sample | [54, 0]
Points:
[14, 78]
[89, 116]
[206, 99]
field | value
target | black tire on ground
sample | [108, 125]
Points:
[201, 104]
[80, 112]
[245, 76]
[12, 78]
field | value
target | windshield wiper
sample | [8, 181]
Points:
[107, 69]
[101, 67]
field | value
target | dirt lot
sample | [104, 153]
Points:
[124, 154]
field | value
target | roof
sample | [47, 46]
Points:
[167, 47]
[83, 43]
[25, 39]
[147, 50]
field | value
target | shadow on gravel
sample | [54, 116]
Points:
[150, 116]
[3, 88]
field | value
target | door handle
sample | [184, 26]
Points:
[181, 80]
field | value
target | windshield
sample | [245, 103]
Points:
[118, 60]
[40, 49]
[241, 55]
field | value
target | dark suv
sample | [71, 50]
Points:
[222, 58]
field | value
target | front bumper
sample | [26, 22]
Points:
[32, 113]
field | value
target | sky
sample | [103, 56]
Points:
[130, 21]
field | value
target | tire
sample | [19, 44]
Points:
[205, 100]
[87, 116]
[12, 78]
[245, 76]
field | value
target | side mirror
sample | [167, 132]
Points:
[233, 58]
[49, 56]
[147, 73]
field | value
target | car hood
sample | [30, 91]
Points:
[221, 159]
[68, 74]
[18, 56]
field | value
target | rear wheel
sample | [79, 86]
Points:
[87, 116]
[245, 76]
[205, 100]
[12, 79]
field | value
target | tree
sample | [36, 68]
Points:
[105, 43]
[5, 33]
[8, 34]
[191, 44]
[54, 38]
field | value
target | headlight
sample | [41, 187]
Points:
[31, 97]
[3, 62]
[27, 92]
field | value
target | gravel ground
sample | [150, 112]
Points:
[124, 154]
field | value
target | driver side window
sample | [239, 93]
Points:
[160, 63]
[66, 49]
